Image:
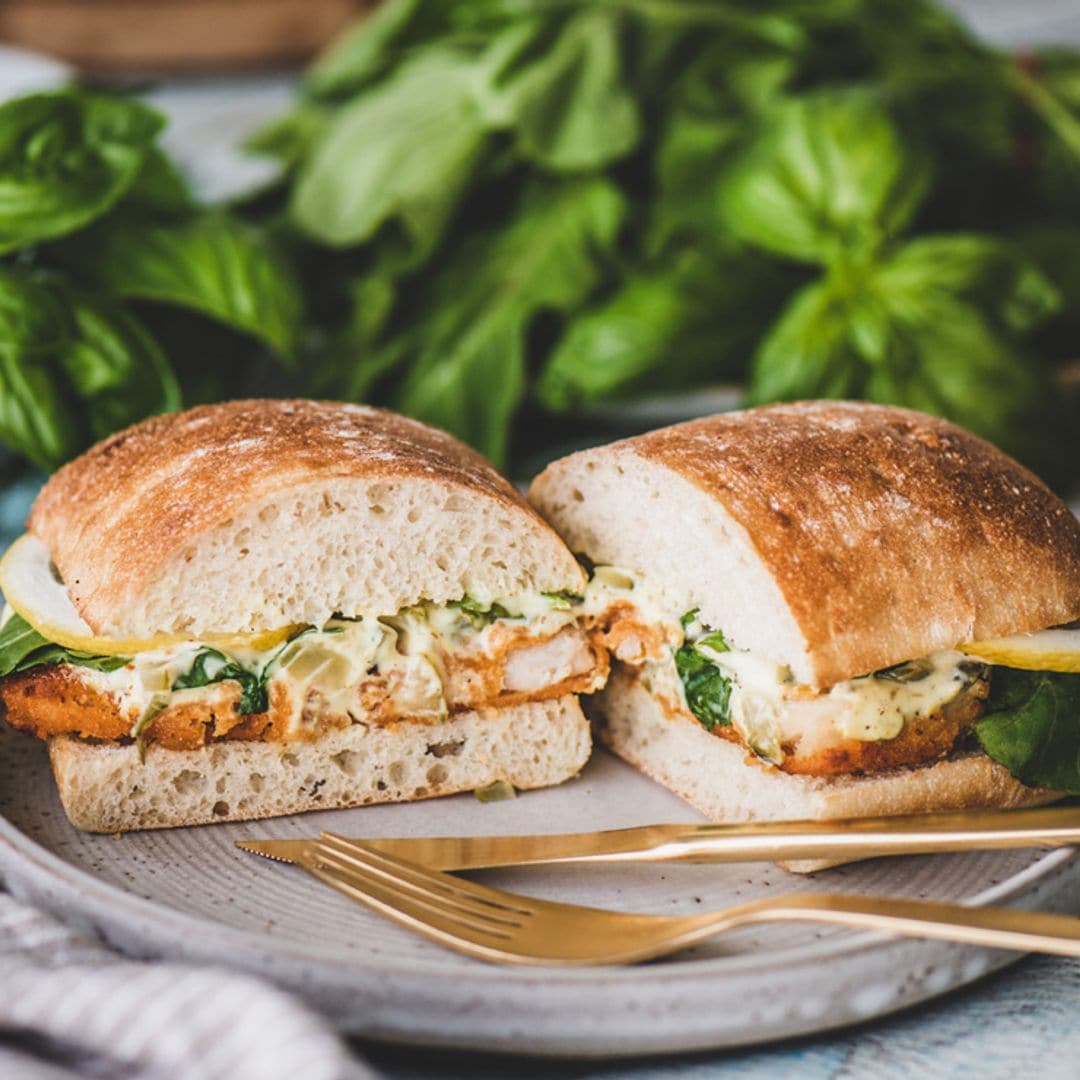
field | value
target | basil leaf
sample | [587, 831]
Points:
[929, 328]
[707, 688]
[480, 615]
[714, 100]
[211, 666]
[114, 365]
[292, 136]
[36, 418]
[469, 372]
[365, 50]
[809, 353]
[65, 158]
[569, 106]
[159, 186]
[208, 263]
[403, 150]
[991, 273]
[686, 319]
[1031, 727]
[828, 176]
[23, 648]
[957, 305]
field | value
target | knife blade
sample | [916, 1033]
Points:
[857, 838]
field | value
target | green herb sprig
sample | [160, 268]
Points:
[707, 688]
[109, 270]
[553, 204]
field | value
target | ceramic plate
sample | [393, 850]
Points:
[189, 893]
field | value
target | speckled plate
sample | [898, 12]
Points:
[189, 893]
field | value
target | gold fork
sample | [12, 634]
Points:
[506, 928]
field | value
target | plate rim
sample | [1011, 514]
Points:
[82, 886]
[435, 1002]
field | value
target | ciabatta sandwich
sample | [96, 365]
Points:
[263, 607]
[825, 610]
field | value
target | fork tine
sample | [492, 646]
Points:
[351, 868]
[417, 916]
[428, 880]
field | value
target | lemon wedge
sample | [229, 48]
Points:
[1057, 649]
[33, 590]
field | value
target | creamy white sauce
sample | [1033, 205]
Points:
[767, 707]
[611, 585]
[321, 670]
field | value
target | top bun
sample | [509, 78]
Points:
[256, 514]
[836, 538]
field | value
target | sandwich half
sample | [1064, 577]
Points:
[828, 609]
[263, 607]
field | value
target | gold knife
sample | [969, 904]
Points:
[856, 838]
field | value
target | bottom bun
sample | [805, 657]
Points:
[715, 777]
[106, 788]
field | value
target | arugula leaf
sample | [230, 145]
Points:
[206, 262]
[211, 666]
[828, 176]
[22, 648]
[114, 365]
[469, 371]
[65, 159]
[1031, 727]
[35, 416]
[403, 150]
[707, 689]
[569, 107]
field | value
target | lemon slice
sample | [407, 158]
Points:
[1057, 649]
[32, 589]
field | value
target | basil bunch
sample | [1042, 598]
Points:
[107, 271]
[565, 201]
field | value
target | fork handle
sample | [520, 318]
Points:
[999, 928]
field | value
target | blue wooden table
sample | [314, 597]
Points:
[1021, 1023]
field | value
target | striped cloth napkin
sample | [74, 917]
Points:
[69, 1007]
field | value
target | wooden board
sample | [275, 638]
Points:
[154, 36]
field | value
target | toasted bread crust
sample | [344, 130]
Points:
[115, 517]
[891, 533]
[888, 534]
